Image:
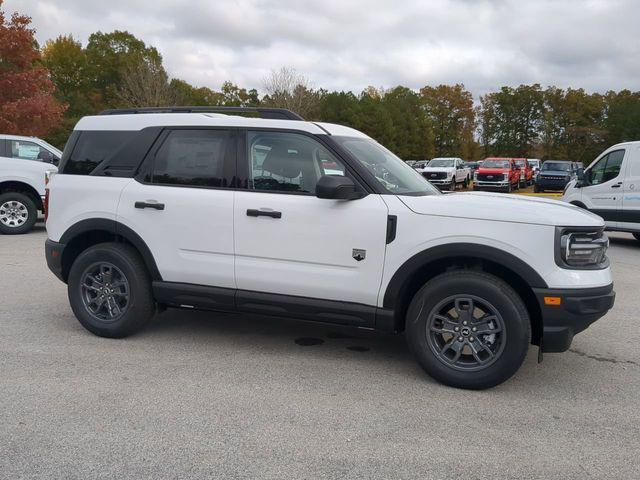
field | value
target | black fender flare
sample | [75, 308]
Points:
[406, 271]
[119, 230]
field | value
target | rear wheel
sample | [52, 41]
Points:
[468, 329]
[18, 213]
[110, 290]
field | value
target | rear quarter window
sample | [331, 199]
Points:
[92, 148]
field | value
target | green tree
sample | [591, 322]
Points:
[450, 110]
[622, 116]
[111, 55]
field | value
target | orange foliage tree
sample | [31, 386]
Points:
[27, 104]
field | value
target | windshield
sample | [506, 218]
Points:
[395, 175]
[441, 162]
[561, 166]
[496, 164]
[520, 163]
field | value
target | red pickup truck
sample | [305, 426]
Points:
[497, 174]
[526, 172]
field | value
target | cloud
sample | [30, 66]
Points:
[352, 44]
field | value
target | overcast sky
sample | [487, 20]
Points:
[350, 44]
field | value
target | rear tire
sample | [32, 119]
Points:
[492, 307]
[110, 290]
[18, 213]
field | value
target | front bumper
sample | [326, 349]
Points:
[578, 309]
[491, 185]
[547, 184]
[53, 254]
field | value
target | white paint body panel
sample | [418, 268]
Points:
[192, 238]
[308, 252]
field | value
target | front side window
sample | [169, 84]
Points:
[289, 162]
[193, 158]
[28, 151]
[607, 168]
[395, 176]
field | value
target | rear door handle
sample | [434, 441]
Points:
[252, 212]
[155, 205]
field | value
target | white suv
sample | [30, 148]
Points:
[24, 163]
[155, 209]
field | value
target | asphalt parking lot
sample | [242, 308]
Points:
[205, 395]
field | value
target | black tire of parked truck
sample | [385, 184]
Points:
[18, 213]
[109, 290]
[468, 329]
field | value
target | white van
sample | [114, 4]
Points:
[610, 187]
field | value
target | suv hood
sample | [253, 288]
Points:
[503, 208]
[555, 173]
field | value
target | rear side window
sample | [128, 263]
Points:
[195, 158]
[92, 148]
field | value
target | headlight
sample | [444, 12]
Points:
[506, 176]
[475, 175]
[582, 249]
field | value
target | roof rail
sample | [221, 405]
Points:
[271, 113]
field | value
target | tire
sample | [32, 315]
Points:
[465, 184]
[18, 213]
[136, 309]
[509, 345]
[522, 185]
[508, 189]
[637, 236]
[536, 189]
[452, 187]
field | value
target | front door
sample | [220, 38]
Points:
[182, 206]
[630, 215]
[603, 191]
[288, 241]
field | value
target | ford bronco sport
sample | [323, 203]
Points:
[204, 208]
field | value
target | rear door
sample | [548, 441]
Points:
[181, 204]
[630, 215]
[288, 241]
[603, 192]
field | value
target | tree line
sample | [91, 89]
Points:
[45, 90]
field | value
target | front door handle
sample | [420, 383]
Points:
[252, 212]
[156, 205]
[617, 185]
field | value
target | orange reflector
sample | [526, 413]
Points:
[552, 300]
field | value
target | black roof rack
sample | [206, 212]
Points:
[271, 113]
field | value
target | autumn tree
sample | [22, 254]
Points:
[450, 111]
[286, 88]
[27, 104]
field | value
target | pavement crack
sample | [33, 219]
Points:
[599, 358]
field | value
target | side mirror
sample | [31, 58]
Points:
[337, 187]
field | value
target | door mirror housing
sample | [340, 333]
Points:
[337, 187]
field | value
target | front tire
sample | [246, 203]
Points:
[110, 290]
[18, 213]
[466, 183]
[537, 189]
[452, 187]
[468, 329]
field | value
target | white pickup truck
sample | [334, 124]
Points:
[24, 163]
[447, 172]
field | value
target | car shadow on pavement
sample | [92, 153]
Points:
[246, 335]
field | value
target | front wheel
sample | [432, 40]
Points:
[537, 189]
[452, 187]
[18, 213]
[110, 290]
[466, 183]
[468, 329]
